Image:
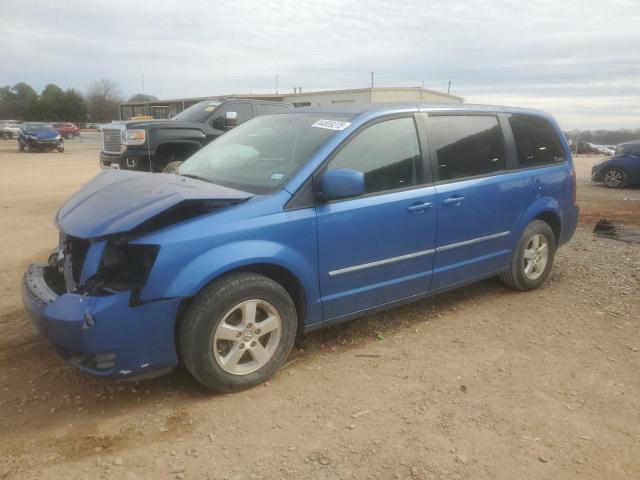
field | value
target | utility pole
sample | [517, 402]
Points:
[372, 80]
[449, 87]
[146, 112]
[276, 83]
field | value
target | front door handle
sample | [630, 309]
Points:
[419, 207]
[453, 200]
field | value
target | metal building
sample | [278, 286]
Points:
[169, 108]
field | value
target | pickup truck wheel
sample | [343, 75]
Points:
[533, 258]
[237, 332]
[172, 167]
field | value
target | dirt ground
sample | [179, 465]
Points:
[483, 382]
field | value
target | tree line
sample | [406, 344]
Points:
[605, 137]
[99, 104]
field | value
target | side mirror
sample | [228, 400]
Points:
[340, 183]
[231, 120]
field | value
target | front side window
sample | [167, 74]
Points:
[466, 145]
[536, 141]
[243, 113]
[260, 155]
[387, 153]
[197, 113]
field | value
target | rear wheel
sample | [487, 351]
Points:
[533, 258]
[237, 332]
[614, 178]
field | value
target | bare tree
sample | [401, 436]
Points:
[103, 100]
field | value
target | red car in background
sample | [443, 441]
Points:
[66, 129]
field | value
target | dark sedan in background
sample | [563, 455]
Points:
[620, 170]
[37, 136]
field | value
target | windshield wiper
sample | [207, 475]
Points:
[197, 177]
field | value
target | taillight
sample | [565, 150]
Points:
[574, 185]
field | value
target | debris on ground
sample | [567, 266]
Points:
[605, 229]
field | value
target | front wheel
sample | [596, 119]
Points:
[237, 332]
[533, 258]
[172, 167]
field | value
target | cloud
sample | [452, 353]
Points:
[579, 60]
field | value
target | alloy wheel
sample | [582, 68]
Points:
[247, 337]
[536, 256]
[613, 178]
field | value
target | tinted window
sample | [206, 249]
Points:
[387, 153]
[197, 113]
[243, 110]
[265, 109]
[536, 140]
[466, 145]
[39, 127]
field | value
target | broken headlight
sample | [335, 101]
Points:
[125, 266]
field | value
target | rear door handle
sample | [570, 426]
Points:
[453, 200]
[419, 207]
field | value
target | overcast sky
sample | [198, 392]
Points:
[579, 60]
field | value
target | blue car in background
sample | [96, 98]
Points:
[293, 222]
[620, 170]
[38, 136]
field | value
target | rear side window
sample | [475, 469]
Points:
[387, 153]
[466, 145]
[536, 141]
[264, 109]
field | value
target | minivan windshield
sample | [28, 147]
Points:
[259, 155]
[197, 113]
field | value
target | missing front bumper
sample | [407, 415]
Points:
[103, 335]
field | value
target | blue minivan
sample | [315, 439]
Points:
[292, 222]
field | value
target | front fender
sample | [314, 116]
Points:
[204, 268]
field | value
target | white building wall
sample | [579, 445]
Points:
[329, 98]
[368, 95]
[412, 95]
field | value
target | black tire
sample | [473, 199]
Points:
[202, 317]
[516, 277]
[614, 177]
[172, 167]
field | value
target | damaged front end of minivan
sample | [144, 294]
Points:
[86, 300]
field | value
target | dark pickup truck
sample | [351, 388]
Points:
[160, 145]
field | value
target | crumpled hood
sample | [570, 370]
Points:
[117, 201]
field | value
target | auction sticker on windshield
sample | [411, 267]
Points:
[331, 124]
